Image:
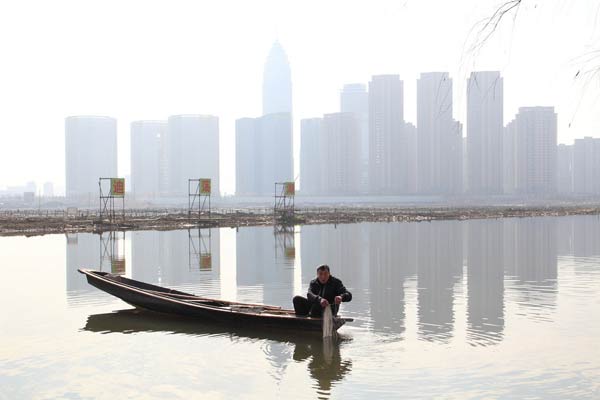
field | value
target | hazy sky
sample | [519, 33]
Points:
[151, 59]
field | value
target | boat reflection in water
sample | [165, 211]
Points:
[442, 271]
[323, 355]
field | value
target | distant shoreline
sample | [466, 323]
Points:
[40, 222]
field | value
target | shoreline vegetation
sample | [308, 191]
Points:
[42, 222]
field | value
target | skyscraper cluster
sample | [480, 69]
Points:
[164, 155]
[366, 148]
[433, 158]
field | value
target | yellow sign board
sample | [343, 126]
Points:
[117, 266]
[205, 186]
[290, 252]
[205, 261]
[117, 187]
[290, 189]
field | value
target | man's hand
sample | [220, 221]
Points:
[324, 303]
[338, 299]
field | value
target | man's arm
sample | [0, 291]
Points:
[312, 295]
[343, 292]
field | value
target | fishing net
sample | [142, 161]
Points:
[328, 323]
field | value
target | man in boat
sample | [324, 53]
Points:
[324, 291]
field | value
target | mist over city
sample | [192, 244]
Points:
[278, 199]
[410, 117]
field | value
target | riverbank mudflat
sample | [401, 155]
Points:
[40, 222]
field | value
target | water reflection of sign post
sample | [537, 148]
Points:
[118, 267]
[111, 189]
[199, 249]
[285, 241]
[112, 251]
[290, 252]
[199, 192]
[205, 261]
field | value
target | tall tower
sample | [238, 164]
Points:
[386, 147]
[340, 152]
[90, 154]
[310, 156]
[263, 153]
[277, 82]
[354, 98]
[439, 141]
[535, 156]
[192, 146]
[146, 157]
[485, 127]
[245, 156]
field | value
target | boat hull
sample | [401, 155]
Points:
[158, 299]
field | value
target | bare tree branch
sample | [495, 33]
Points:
[485, 28]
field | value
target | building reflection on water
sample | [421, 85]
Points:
[488, 262]
[485, 280]
[532, 264]
[392, 260]
[442, 271]
[439, 269]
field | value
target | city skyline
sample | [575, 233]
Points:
[439, 107]
[520, 158]
[146, 74]
[427, 159]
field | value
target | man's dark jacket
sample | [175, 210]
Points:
[333, 287]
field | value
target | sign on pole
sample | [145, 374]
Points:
[205, 186]
[290, 189]
[117, 187]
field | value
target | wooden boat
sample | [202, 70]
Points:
[159, 299]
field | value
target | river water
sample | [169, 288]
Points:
[506, 308]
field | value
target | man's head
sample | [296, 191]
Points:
[323, 273]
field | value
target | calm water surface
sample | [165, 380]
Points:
[474, 309]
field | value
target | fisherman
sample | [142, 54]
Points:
[324, 291]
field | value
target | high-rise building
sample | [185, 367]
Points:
[245, 156]
[264, 145]
[465, 162]
[509, 152]
[565, 168]
[90, 154]
[277, 82]
[485, 93]
[192, 147]
[270, 159]
[388, 165]
[274, 161]
[147, 159]
[340, 153]
[586, 166]
[409, 132]
[310, 156]
[535, 156]
[439, 137]
[354, 98]
[456, 163]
